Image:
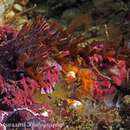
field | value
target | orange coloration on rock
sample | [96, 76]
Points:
[67, 68]
[86, 78]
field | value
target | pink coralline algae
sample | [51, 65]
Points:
[35, 60]
[110, 72]
[7, 33]
[119, 73]
[51, 77]
[25, 64]
[19, 93]
[103, 86]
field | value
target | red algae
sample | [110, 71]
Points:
[44, 57]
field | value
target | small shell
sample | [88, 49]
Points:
[10, 15]
[45, 114]
[74, 104]
[71, 74]
[18, 7]
[77, 104]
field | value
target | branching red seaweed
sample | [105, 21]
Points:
[37, 57]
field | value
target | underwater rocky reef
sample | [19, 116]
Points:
[64, 65]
